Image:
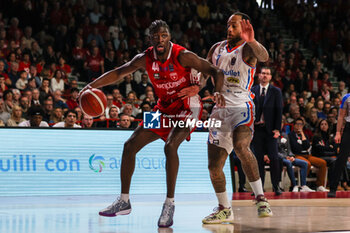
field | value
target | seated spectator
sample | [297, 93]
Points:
[131, 99]
[48, 107]
[327, 107]
[56, 115]
[289, 160]
[45, 89]
[319, 106]
[8, 101]
[72, 102]
[79, 112]
[22, 82]
[145, 107]
[57, 82]
[16, 96]
[294, 113]
[332, 123]
[124, 122]
[29, 94]
[33, 73]
[127, 109]
[4, 116]
[110, 62]
[8, 82]
[300, 146]
[151, 98]
[141, 87]
[35, 118]
[70, 119]
[24, 65]
[13, 73]
[325, 93]
[36, 97]
[336, 103]
[24, 104]
[16, 116]
[94, 64]
[300, 82]
[63, 66]
[112, 122]
[109, 105]
[314, 83]
[58, 100]
[322, 144]
[3, 86]
[301, 104]
[87, 121]
[342, 88]
[117, 98]
[31, 85]
[79, 55]
[127, 85]
[147, 89]
[326, 81]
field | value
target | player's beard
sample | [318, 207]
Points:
[232, 41]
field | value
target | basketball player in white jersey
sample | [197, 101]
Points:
[236, 57]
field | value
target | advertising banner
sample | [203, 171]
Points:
[87, 162]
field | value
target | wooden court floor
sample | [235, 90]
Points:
[75, 214]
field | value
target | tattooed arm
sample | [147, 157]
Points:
[259, 51]
[253, 51]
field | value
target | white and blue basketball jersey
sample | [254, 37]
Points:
[239, 76]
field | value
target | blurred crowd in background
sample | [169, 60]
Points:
[49, 49]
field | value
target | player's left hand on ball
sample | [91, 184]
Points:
[188, 92]
[219, 99]
[84, 89]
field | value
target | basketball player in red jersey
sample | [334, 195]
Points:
[169, 68]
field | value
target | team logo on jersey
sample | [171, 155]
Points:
[233, 80]
[171, 67]
[174, 76]
[233, 61]
[155, 66]
[156, 76]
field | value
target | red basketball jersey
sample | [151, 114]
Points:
[169, 78]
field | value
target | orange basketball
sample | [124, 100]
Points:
[93, 102]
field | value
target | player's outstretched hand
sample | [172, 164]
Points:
[188, 92]
[247, 32]
[219, 99]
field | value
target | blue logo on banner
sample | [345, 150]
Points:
[151, 120]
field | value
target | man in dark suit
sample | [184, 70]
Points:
[127, 85]
[267, 126]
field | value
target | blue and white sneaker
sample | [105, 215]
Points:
[166, 217]
[118, 207]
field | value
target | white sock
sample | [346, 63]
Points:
[257, 187]
[223, 199]
[124, 197]
[170, 200]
